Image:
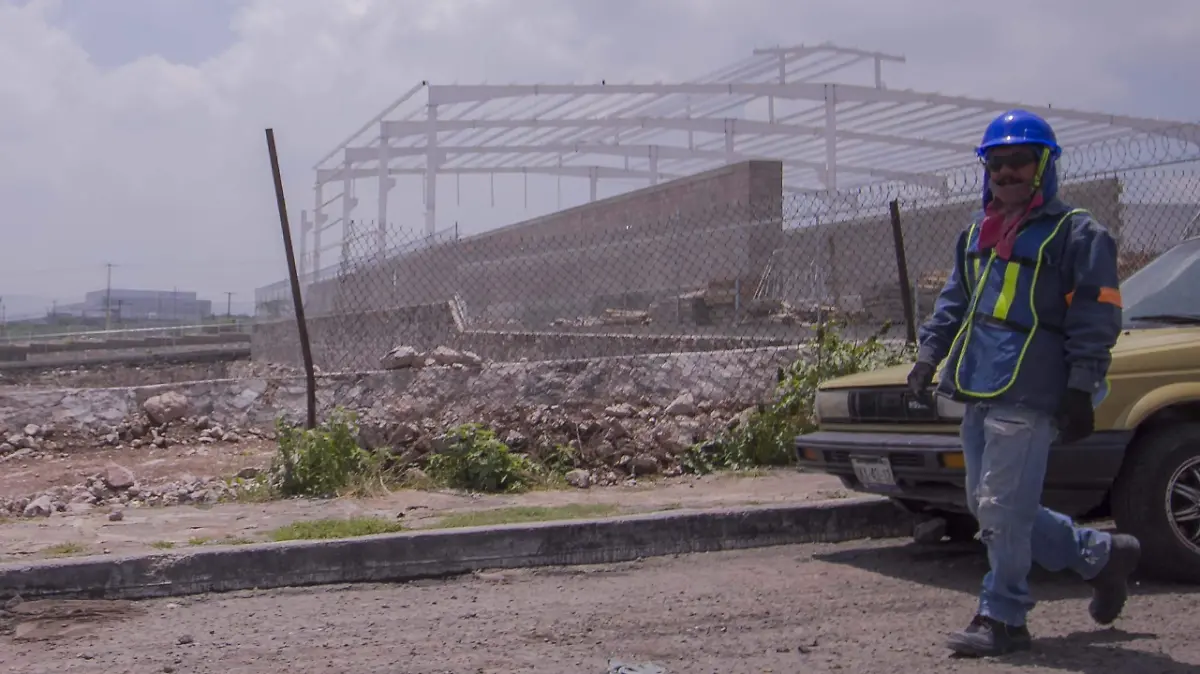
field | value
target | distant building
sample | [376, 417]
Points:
[140, 305]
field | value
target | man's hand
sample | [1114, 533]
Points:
[1076, 416]
[919, 379]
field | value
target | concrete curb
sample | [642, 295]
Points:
[445, 552]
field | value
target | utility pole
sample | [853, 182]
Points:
[108, 297]
[229, 304]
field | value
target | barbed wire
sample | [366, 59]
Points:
[1123, 152]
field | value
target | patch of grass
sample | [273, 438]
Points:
[474, 459]
[6, 520]
[163, 545]
[198, 540]
[65, 549]
[326, 461]
[518, 514]
[352, 527]
[767, 437]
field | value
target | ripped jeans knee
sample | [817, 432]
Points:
[993, 518]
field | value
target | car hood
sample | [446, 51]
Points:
[1136, 350]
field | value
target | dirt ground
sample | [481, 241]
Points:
[854, 608]
[25, 476]
[143, 529]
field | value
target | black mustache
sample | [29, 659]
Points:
[1005, 182]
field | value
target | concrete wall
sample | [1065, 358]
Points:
[355, 342]
[646, 240]
[850, 263]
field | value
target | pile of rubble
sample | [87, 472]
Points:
[116, 488]
[606, 445]
[408, 357]
[165, 424]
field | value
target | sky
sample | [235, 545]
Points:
[131, 131]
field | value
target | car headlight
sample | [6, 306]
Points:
[833, 405]
[950, 409]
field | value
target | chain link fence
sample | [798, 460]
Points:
[745, 275]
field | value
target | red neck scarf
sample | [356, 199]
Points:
[999, 231]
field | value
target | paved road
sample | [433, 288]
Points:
[851, 609]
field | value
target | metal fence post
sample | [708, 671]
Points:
[902, 270]
[293, 274]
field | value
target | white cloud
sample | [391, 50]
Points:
[161, 167]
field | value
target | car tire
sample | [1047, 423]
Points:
[1147, 492]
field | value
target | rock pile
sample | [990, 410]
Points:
[32, 440]
[117, 488]
[593, 444]
[166, 421]
[407, 357]
[605, 444]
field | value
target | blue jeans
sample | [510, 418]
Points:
[1006, 449]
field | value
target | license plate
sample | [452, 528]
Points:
[873, 472]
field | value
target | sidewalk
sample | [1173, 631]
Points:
[146, 529]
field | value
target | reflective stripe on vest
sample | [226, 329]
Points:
[1002, 318]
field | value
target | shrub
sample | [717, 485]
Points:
[767, 436]
[473, 458]
[324, 461]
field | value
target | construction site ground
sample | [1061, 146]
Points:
[854, 608]
[146, 529]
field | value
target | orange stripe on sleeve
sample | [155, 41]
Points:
[1103, 295]
[1109, 296]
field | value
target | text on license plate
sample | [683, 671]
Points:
[873, 472]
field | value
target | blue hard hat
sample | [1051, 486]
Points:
[1019, 127]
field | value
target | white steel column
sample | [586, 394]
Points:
[431, 170]
[319, 219]
[688, 115]
[386, 183]
[558, 186]
[831, 137]
[594, 181]
[782, 80]
[302, 261]
[347, 210]
[653, 164]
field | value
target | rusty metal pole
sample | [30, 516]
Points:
[902, 269]
[293, 274]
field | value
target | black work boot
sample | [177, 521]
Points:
[1110, 588]
[987, 637]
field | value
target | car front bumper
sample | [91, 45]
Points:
[928, 468]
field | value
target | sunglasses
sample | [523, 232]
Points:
[1018, 160]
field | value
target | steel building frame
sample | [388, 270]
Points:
[830, 135]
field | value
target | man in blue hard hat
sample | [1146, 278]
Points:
[1025, 325]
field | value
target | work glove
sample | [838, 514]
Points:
[919, 379]
[1076, 416]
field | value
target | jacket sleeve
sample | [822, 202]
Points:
[937, 334]
[1093, 319]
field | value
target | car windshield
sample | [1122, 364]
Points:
[1165, 291]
